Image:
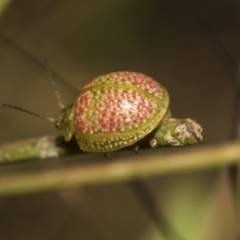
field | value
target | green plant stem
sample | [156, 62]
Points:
[55, 146]
[3, 5]
[120, 170]
[37, 148]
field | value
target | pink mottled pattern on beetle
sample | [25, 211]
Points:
[114, 109]
[83, 105]
[138, 79]
[122, 109]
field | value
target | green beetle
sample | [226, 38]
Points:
[122, 109]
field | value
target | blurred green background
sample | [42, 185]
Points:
[191, 47]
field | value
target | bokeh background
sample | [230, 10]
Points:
[191, 47]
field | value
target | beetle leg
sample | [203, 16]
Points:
[107, 154]
[134, 148]
[152, 142]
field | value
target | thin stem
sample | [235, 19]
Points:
[37, 148]
[194, 159]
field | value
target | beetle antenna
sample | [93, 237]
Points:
[53, 82]
[29, 112]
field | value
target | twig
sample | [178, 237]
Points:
[120, 171]
[37, 148]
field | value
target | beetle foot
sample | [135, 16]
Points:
[134, 148]
[152, 142]
[107, 154]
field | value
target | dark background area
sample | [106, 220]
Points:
[190, 47]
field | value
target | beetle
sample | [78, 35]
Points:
[120, 109]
